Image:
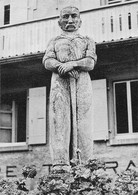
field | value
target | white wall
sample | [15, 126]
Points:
[24, 10]
[47, 8]
[18, 11]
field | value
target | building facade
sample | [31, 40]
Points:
[25, 29]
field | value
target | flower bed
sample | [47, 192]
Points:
[90, 178]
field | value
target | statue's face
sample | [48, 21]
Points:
[70, 19]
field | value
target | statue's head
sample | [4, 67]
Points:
[69, 19]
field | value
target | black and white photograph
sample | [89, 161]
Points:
[68, 97]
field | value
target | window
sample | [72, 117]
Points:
[23, 117]
[6, 14]
[126, 107]
[129, 21]
[111, 2]
[114, 1]
[112, 25]
[120, 22]
[13, 118]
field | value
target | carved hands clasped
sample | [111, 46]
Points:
[68, 68]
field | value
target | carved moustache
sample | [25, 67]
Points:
[72, 26]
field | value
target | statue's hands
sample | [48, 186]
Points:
[74, 74]
[66, 67]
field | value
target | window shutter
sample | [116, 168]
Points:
[37, 115]
[100, 117]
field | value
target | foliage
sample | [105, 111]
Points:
[90, 178]
[8, 187]
[29, 171]
[81, 179]
[18, 186]
[126, 183]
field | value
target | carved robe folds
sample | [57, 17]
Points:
[70, 99]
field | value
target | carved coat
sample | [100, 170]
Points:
[70, 100]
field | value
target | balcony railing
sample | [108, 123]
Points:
[113, 22]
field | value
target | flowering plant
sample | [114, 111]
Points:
[17, 186]
[81, 179]
[126, 183]
[88, 178]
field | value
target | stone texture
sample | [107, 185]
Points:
[70, 56]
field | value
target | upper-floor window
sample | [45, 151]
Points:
[6, 14]
[110, 2]
[114, 1]
[126, 107]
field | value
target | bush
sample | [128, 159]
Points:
[126, 183]
[10, 187]
[18, 186]
[90, 178]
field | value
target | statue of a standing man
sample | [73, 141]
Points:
[70, 57]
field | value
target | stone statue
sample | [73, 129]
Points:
[70, 56]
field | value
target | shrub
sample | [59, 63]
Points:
[90, 178]
[126, 183]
